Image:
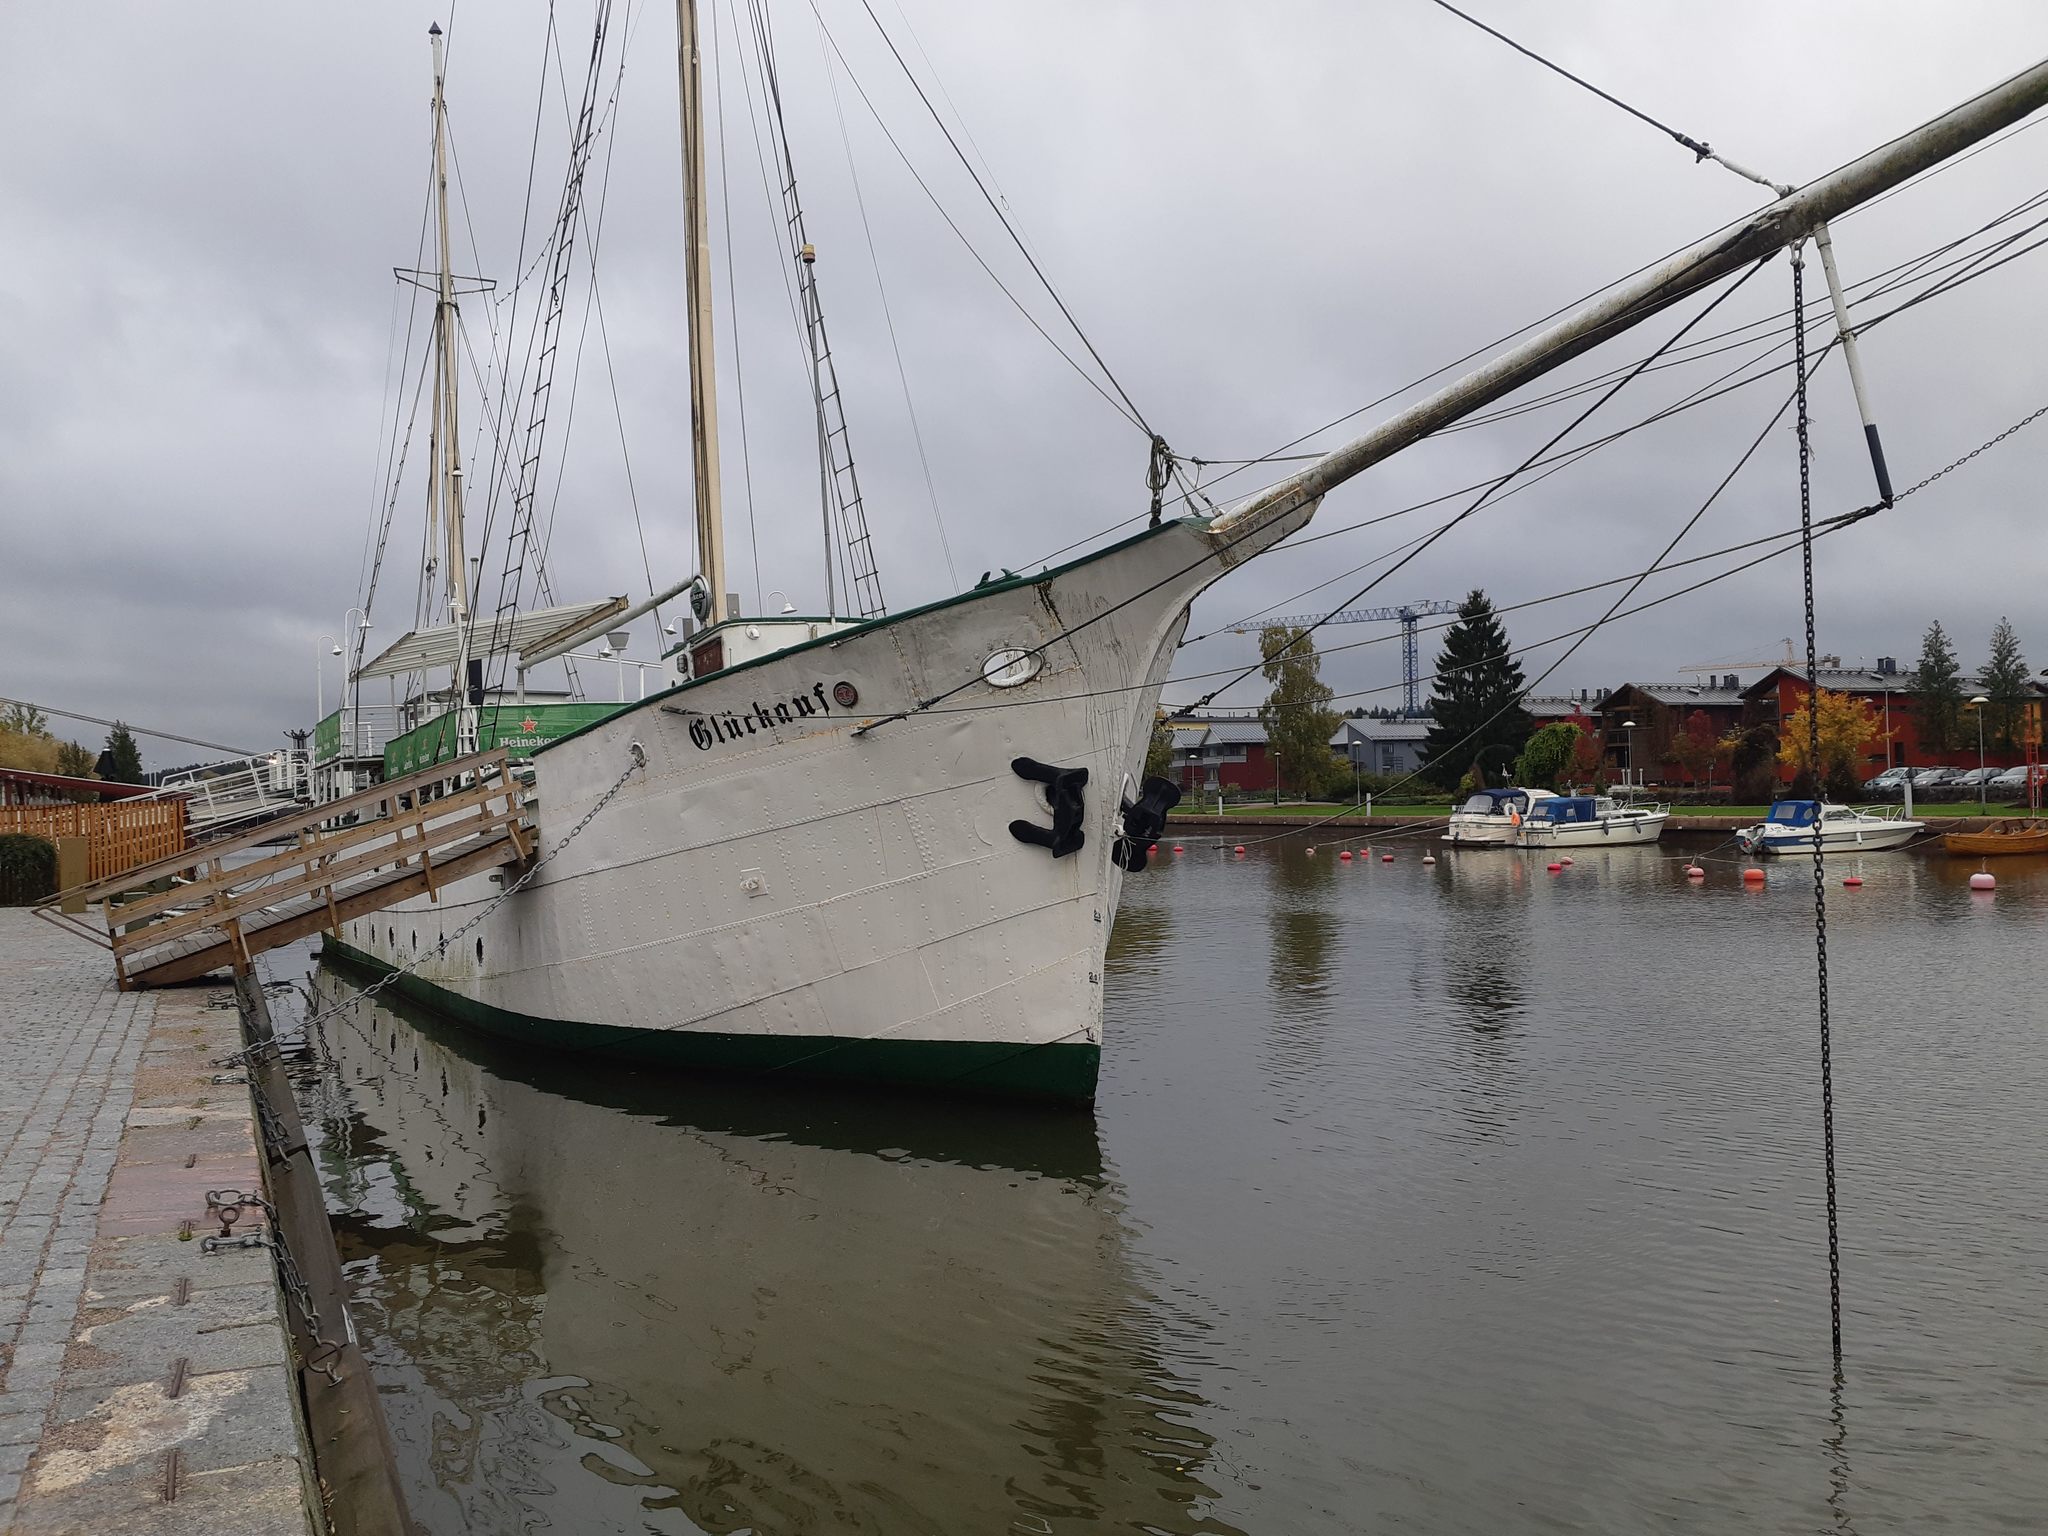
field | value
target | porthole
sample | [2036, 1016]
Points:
[1011, 668]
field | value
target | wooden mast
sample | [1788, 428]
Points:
[448, 455]
[703, 370]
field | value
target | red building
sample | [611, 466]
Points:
[1221, 751]
[1774, 696]
[1638, 722]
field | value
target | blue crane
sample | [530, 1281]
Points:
[1406, 615]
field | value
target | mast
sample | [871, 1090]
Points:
[447, 425]
[1791, 219]
[703, 369]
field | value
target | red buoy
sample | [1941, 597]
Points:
[1345, 855]
[1238, 849]
[1554, 868]
[1852, 881]
[1386, 858]
[1153, 849]
[1176, 848]
[1752, 876]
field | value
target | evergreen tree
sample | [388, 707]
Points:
[1938, 692]
[1476, 700]
[2006, 682]
[121, 763]
[1297, 715]
[74, 760]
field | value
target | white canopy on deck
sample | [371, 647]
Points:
[441, 646]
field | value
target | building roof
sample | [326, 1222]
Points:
[1369, 729]
[1686, 695]
[1840, 679]
[1554, 707]
[1236, 733]
[98, 788]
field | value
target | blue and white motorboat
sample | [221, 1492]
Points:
[1591, 821]
[1794, 826]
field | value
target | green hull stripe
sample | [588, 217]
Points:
[1064, 1072]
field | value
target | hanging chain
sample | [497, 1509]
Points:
[1820, 884]
[639, 761]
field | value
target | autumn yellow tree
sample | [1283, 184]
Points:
[1849, 728]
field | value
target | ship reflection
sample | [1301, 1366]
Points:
[606, 1301]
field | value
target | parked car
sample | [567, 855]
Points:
[1970, 778]
[2012, 783]
[1887, 784]
[1934, 778]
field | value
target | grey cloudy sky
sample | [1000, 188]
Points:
[1265, 217]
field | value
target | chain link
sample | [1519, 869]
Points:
[1981, 447]
[639, 761]
[1820, 883]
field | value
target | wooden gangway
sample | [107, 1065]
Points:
[219, 906]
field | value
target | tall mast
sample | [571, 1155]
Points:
[703, 371]
[448, 451]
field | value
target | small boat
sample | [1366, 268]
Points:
[1582, 821]
[2016, 834]
[1795, 825]
[1493, 817]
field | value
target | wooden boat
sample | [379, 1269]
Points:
[2015, 834]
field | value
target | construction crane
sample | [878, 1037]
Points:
[1789, 659]
[1405, 615]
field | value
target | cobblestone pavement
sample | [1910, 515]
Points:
[70, 1043]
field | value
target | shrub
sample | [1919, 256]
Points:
[28, 869]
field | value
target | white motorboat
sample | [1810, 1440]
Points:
[1591, 821]
[1493, 817]
[1794, 825]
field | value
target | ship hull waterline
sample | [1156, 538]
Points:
[781, 891]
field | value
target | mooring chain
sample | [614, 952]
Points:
[639, 761]
[1820, 884]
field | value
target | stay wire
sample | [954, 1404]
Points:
[1620, 384]
[1820, 884]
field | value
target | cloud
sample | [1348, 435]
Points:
[1263, 218]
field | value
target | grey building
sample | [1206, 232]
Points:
[1381, 746]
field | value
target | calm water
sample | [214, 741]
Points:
[1455, 1199]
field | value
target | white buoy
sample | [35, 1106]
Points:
[1429, 858]
[1694, 872]
[1983, 880]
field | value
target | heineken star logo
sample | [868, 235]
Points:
[529, 724]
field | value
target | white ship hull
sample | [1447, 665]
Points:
[1607, 832]
[1481, 831]
[1873, 838]
[775, 892]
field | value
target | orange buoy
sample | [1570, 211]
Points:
[1554, 868]
[1983, 880]
[1345, 855]
[1752, 876]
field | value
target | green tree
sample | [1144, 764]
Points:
[1548, 754]
[1159, 751]
[1476, 700]
[25, 720]
[2006, 682]
[121, 763]
[74, 760]
[1938, 692]
[1297, 715]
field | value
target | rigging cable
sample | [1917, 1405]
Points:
[1820, 884]
[1719, 299]
[732, 303]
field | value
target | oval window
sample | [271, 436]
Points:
[1009, 668]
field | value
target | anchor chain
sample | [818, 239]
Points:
[1820, 886]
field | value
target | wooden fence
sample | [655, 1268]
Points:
[121, 833]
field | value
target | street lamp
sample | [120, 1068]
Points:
[320, 678]
[1978, 704]
[1628, 771]
[348, 692]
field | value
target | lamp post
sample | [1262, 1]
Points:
[348, 671]
[1628, 771]
[1978, 704]
[320, 678]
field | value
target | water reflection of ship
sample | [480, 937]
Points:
[648, 1307]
